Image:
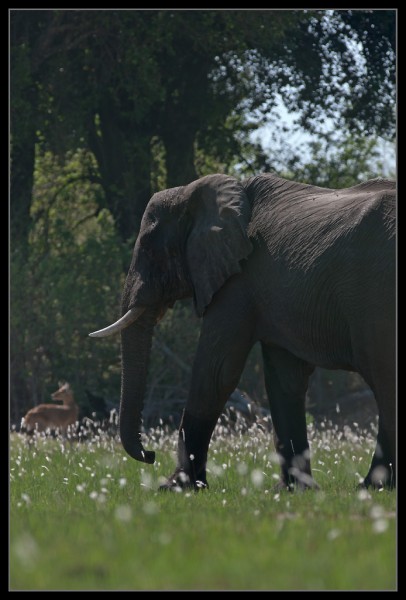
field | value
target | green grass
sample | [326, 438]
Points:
[84, 517]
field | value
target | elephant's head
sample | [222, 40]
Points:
[191, 240]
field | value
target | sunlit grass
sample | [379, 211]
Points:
[85, 516]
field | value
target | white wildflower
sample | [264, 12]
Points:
[123, 513]
[25, 549]
[150, 508]
[242, 468]
[380, 525]
[333, 534]
[363, 494]
[257, 477]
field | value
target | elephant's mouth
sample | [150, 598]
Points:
[162, 311]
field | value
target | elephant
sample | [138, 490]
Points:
[306, 271]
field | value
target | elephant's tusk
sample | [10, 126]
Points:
[132, 315]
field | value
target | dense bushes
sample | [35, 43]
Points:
[69, 285]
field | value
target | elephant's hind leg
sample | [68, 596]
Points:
[378, 368]
[382, 472]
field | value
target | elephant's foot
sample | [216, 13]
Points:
[295, 481]
[302, 480]
[180, 481]
[379, 477]
[297, 486]
[282, 486]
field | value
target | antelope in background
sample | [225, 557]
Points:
[49, 416]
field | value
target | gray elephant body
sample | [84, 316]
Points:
[329, 257]
[308, 272]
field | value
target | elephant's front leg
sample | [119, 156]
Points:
[222, 351]
[193, 444]
[286, 380]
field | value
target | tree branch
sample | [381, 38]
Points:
[162, 346]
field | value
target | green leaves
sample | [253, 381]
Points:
[69, 286]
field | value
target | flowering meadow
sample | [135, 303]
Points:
[85, 516]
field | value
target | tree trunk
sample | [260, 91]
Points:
[180, 156]
[21, 182]
[123, 154]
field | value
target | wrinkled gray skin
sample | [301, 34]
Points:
[307, 271]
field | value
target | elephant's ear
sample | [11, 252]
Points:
[218, 240]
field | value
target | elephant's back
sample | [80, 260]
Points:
[299, 223]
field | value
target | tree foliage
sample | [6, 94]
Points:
[70, 283]
[114, 80]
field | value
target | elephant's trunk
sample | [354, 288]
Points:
[136, 342]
